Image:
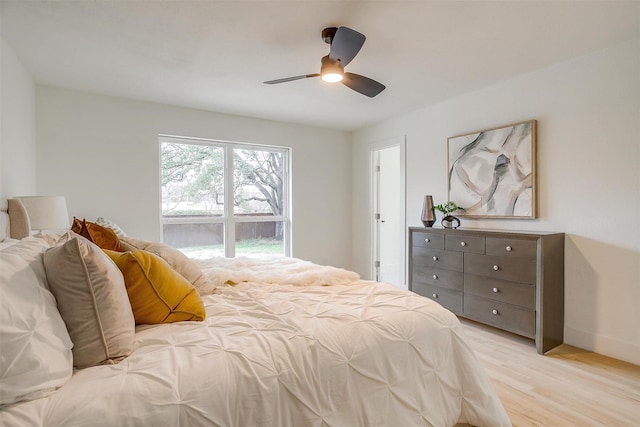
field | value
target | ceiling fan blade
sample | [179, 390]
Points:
[362, 84]
[290, 79]
[345, 45]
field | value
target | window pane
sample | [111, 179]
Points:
[192, 180]
[199, 206]
[258, 186]
[195, 240]
[255, 239]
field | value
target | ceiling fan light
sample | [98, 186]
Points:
[332, 77]
[331, 70]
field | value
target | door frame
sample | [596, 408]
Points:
[399, 141]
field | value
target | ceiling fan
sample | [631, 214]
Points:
[345, 44]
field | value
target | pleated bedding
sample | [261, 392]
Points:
[285, 343]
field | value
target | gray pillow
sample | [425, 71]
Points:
[92, 299]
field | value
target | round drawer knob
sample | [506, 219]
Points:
[494, 311]
[427, 240]
[435, 295]
[496, 268]
[435, 277]
[509, 248]
[435, 258]
[495, 290]
[463, 243]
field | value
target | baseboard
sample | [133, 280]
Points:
[612, 347]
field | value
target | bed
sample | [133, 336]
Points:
[284, 342]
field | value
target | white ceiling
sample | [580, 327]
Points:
[214, 55]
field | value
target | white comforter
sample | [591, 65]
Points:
[325, 349]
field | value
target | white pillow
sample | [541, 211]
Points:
[50, 238]
[8, 242]
[36, 348]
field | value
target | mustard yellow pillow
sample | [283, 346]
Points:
[176, 259]
[157, 293]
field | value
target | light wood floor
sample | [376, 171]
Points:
[566, 387]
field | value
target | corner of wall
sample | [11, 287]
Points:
[17, 126]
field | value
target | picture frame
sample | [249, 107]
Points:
[492, 172]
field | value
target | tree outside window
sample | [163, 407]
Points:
[207, 212]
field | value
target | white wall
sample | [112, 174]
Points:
[17, 127]
[588, 112]
[103, 154]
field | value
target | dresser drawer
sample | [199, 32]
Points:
[511, 247]
[512, 318]
[464, 243]
[517, 269]
[522, 294]
[439, 277]
[437, 259]
[451, 300]
[428, 240]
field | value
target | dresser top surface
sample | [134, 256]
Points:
[483, 231]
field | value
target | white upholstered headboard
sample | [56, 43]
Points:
[14, 221]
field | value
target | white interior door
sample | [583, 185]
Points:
[389, 240]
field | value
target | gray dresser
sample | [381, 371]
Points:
[511, 280]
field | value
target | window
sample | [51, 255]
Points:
[224, 199]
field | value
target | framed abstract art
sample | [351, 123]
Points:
[492, 173]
